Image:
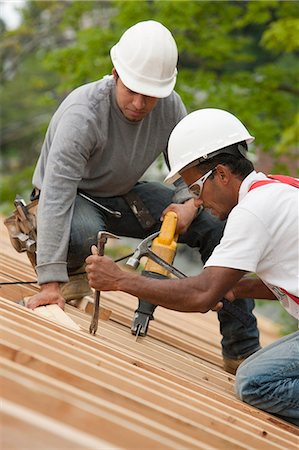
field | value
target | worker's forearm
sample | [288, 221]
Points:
[180, 295]
[253, 287]
[195, 294]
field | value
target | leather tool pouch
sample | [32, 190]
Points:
[139, 210]
[21, 226]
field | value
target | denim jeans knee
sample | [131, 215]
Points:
[269, 379]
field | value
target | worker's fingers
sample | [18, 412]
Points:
[218, 307]
[92, 260]
[172, 207]
[41, 300]
[102, 273]
[185, 212]
[197, 202]
[61, 303]
[230, 295]
[94, 250]
[35, 301]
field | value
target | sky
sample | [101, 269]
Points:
[9, 13]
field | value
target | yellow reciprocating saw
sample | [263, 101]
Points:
[163, 244]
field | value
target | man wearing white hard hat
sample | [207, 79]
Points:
[208, 150]
[100, 141]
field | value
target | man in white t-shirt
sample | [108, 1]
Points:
[208, 150]
[256, 237]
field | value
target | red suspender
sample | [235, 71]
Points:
[293, 297]
[276, 178]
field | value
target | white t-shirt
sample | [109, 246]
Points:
[262, 236]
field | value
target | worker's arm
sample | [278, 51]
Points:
[186, 213]
[195, 294]
[250, 287]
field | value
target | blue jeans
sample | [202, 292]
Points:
[204, 233]
[269, 379]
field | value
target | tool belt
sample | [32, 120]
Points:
[139, 210]
[21, 226]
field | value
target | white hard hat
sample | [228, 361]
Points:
[145, 59]
[199, 135]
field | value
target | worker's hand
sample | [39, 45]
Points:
[49, 294]
[103, 273]
[230, 295]
[186, 213]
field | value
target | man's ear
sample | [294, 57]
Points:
[114, 74]
[224, 173]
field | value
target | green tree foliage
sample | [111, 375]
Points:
[28, 93]
[236, 55]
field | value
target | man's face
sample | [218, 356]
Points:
[134, 106]
[218, 193]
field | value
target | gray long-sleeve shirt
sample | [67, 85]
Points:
[90, 145]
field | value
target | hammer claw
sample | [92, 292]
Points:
[93, 327]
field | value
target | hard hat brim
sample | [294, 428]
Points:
[172, 176]
[174, 173]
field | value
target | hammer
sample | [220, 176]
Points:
[102, 239]
[144, 250]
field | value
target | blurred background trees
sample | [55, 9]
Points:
[238, 55]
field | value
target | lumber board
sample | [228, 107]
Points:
[84, 411]
[126, 376]
[82, 340]
[15, 292]
[16, 268]
[37, 431]
[172, 318]
[210, 339]
[56, 314]
[204, 325]
[189, 440]
[119, 314]
[179, 365]
[193, 348]
[151, 407]
[154, 413]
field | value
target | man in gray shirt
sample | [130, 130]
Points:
[101, 140]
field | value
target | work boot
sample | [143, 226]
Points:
[77, 287]
[231, 365]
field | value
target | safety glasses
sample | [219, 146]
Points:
[196, 188]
